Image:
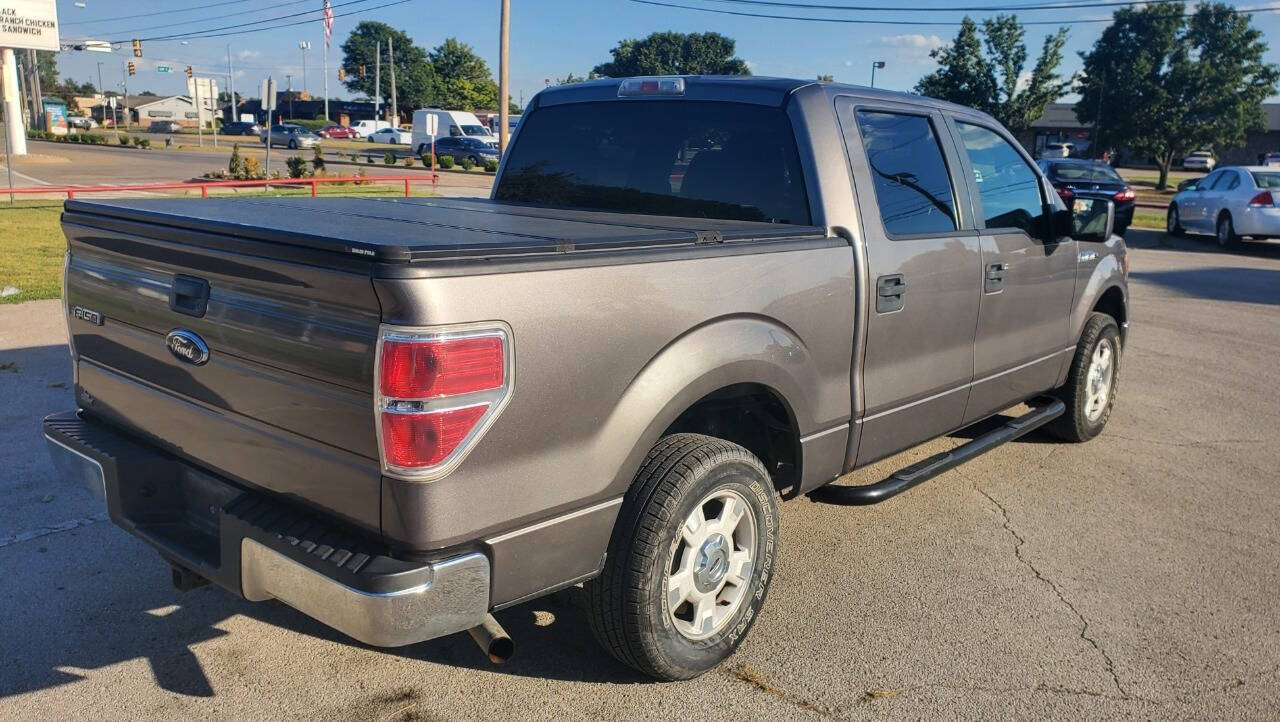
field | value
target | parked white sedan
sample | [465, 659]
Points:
[395, 136]
[1199, 160]
[1231, 203]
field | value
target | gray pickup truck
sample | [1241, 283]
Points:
[686, 299]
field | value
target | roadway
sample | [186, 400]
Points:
[1134, 576]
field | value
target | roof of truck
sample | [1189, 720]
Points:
[410, 229]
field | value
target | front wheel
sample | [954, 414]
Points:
[1090, 391]
[293, 145]
[690, 560]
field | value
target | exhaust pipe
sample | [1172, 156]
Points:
[493, 640]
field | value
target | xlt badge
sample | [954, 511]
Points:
[85, 314]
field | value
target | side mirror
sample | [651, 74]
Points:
[1089, 219]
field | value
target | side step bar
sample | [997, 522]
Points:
[921, 471]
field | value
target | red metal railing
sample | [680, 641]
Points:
[204, 186]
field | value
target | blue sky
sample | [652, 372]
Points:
[549, 38]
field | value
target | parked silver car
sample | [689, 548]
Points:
[1199, 160]
[291, 136]
[1231, 203]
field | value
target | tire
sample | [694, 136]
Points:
[474, 160]
[1226, 232]
[293, 145]
[1086, 413]
[1173, 222]
[630, 604]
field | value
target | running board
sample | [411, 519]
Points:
[921, 471]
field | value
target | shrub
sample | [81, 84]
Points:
[142, 142]
[317, 160]
[251, 169]
[235, 167]
[389, 158]
[312, 125]
[297, 167]
[123, 139]
[445, 161]
[468, 164]
[426, 158]
[360, 173]
[408, 161]
[490, 165]
[355, 157]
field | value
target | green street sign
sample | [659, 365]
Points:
[163, 69]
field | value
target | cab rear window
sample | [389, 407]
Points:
[695, 159]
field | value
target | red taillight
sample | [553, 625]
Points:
[417, 440]
[1263, 200]
[438, 389]
[440, 367]
[1125, 195]
[1065, 193]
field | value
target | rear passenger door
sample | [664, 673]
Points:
[1028, 276]
[923, 261]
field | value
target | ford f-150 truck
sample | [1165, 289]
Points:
[686, 299]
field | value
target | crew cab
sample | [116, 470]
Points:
[687, 299]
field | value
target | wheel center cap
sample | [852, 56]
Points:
[712, 563]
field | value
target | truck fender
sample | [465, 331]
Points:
[719, 353]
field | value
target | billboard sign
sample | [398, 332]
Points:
[29, 24]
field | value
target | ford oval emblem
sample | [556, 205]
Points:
[186, 346]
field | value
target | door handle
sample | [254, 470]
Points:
[993, 280]
[890, 293]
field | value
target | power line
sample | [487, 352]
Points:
[216, 32]
[930, 23]
[952, 8]
[135, 31]
[158, 12]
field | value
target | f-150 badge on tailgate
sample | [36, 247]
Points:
[87, 314]
[187, 346]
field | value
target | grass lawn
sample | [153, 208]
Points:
[32, 244]
[31, 249]
[1148, 218]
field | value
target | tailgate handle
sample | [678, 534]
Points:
[189, 295]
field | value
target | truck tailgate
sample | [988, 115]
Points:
[284, 401]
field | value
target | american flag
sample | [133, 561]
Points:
[328, 22]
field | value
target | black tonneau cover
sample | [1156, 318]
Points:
[411, 229]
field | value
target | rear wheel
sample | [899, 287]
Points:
[1173, 223]
[1226, 234]
[690, 560]
[1090, 391]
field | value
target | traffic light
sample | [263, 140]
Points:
[137, 48]
[189, 73]
[342, 75]
[362, 71]
[132, 67]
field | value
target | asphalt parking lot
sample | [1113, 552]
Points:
[1134, 576]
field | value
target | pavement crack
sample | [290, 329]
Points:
[58, 528]
[750, 675]
[1019, 541]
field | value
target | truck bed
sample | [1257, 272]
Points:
[405, 230]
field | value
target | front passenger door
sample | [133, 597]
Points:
[1028, 278]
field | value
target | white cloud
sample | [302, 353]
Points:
[913, 40]
[249, 55]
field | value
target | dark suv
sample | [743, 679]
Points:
[462, 147]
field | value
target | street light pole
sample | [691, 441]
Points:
[288, 80]
[231, 86]
[874, 66]
[304, 46]
[391, 61]
[504, 49]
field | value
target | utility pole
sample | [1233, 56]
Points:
[326, 76]
[504, 49]
[231, 86]
[33, 89]
[124, 99]
[103, 92]
[377, 85]
[288, 86]
[391, 60]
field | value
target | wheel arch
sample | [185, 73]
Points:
[720, 379]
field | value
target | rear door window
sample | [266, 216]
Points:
[912, 185]
[1007, 185]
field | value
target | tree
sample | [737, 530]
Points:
[987, 74]
[1161, 84]
[415, 77]
[827, 78]
[463, 81]
[571, 78]
[674, 54]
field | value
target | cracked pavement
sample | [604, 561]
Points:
[1131, 577]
